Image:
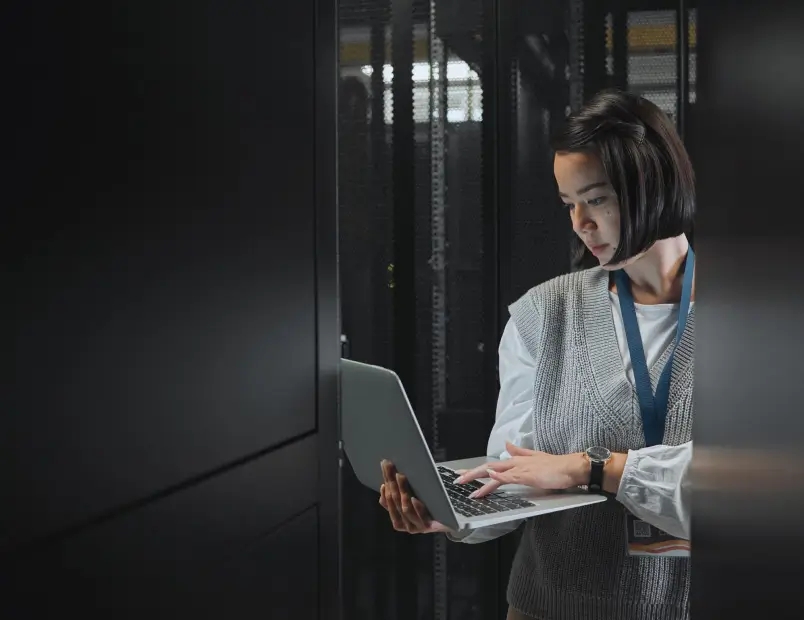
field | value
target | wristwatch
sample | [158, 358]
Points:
[598, 457]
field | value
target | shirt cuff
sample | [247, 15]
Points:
[655, 488]
[460, 536]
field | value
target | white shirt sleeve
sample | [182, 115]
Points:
[655, 487]
[513, 420]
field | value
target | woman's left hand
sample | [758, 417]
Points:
[531, 468]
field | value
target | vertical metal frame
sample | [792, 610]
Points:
[403, 196]
[505, 142]
[493, 98]
[404, 276]
[501, 141]
[438, 285]
[594, 48]
[683, 66]
[328, 326]
[620, 45]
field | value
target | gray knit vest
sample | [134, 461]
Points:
[573, 565]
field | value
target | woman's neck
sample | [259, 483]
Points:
[656, 276]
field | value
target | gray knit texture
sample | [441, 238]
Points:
[573, 565]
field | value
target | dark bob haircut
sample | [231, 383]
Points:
[646, 164]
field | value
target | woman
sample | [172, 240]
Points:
[580, 360]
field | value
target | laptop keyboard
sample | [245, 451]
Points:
[486, 505]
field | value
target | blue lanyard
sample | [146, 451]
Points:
[653, 407]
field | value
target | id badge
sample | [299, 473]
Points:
[648, 540]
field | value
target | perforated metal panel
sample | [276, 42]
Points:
[692, 38]
[575, 66]
[490, 80]
[445, 182]
[450, 264]
[366, 273]
[365, 178]
[653, 57]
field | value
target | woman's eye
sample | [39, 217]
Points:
[568, 205]
[594, 202]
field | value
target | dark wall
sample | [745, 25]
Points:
[170, 338]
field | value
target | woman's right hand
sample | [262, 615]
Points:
[407, 513]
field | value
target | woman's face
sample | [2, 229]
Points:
[591, 202]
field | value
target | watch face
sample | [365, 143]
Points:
[598, 454]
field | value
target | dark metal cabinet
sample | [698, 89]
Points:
[168, 429]
[244, 541]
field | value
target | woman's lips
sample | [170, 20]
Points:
[598, 249]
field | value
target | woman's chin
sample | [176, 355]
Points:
[604, 263]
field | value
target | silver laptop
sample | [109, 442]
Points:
[377, 422]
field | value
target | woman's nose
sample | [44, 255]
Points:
[581, 220]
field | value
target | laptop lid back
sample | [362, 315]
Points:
[377, 422]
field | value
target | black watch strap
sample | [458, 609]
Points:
[596, 477]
